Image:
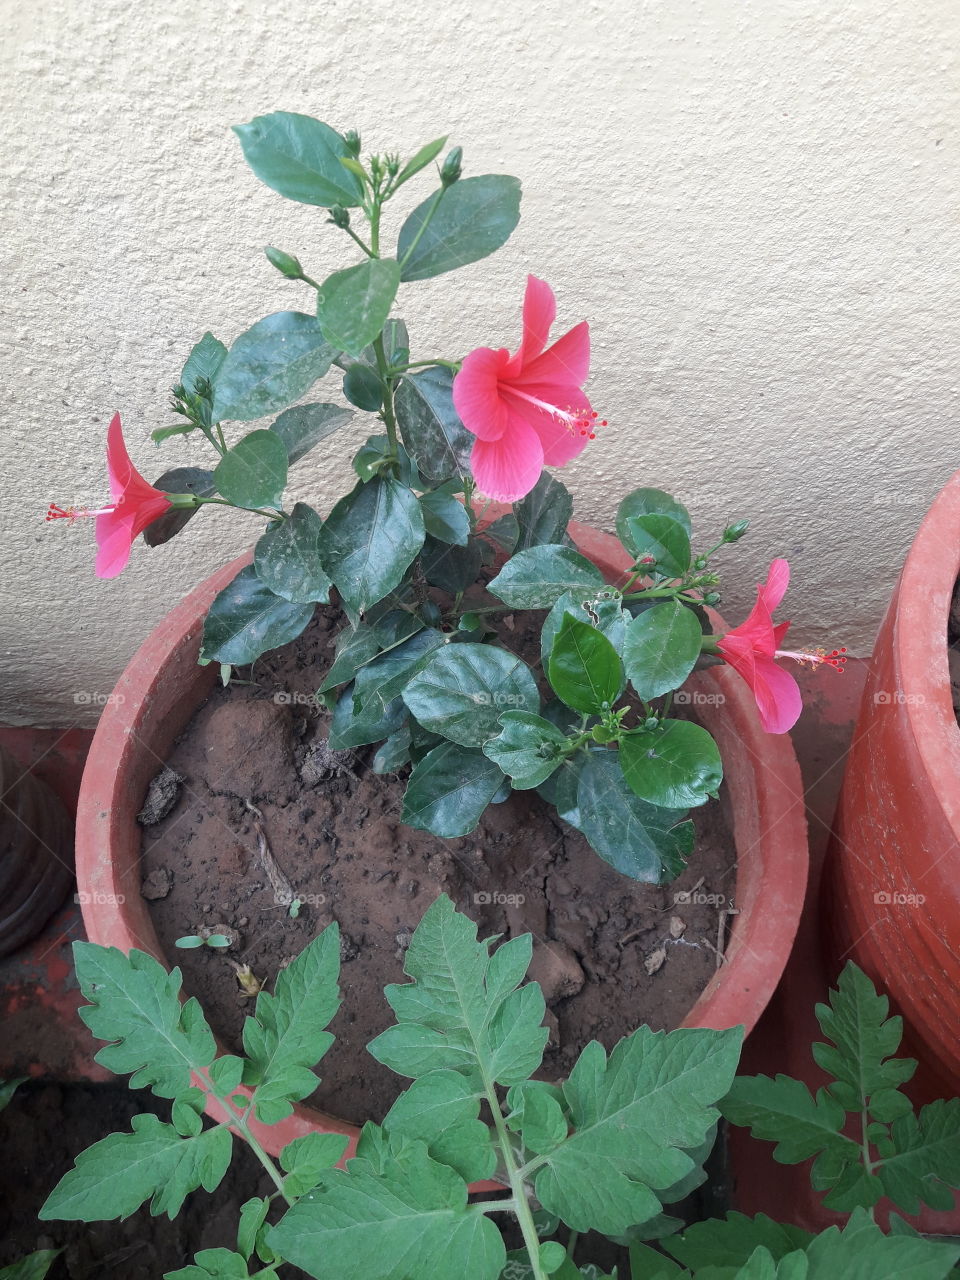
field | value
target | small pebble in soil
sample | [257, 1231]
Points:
[162, 794]
[157, 884]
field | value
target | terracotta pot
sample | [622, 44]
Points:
[163, 686]
[36, 854]
[893, 868]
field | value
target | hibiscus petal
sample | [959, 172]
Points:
[119, 466]
[566, 363]
[775, 588]
[476, 395]
[539, 313]
[114, 539]
[508, 468]
[561, 439]
[778, 697]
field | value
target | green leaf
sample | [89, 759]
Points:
[448, 790]
[33, 1267]
[463, 690]
[783, 1111]
[374, 722]
[451, 568]
[254, 472]
[602, 609]
[287, 558]
[536, 1113]
[305, 1159]
[927, 1159]
[527, 749]
[442, 1109]
[8, 1088]
[643, 502]
[445, 517]
[135, 1004]
[421, 159]
[640, 840]
[729, 1241]
[503, 533]
[632, 1116]
[386, 677]
[474, 217]
[464, 1009]
[543, 515]
[362, 387]
[864, 1040]
[203, 363]
[218, 1264]
[430, 425]
[355, 646]
[861, 1251]
[353, 305]
[247, 618]
[370, 538]
[376, 456]
[253, 1214]
[584, 668]
[661, 648]
[675, 765]
[178, 480]
[538, 577]
[300, 158]
[115, 1176]
[663, 540]
[410, 1220]
[394, 753]
[305, 425]
[287, 1033]
[270, 365]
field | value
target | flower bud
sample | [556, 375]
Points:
[285, 263]
[712, 598]
[451, 167]
[339, 216]
[352, 139]
[734, 532]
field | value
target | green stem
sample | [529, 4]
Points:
[521, 1205]
[509, 1205]
[254, 511]
[238, 1120]
[572, 1243]
[353, 236]
[220, 437]
[425, 364]
[423, 226]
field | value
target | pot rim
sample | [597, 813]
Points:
[761, 771]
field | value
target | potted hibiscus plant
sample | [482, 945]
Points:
[451, 529]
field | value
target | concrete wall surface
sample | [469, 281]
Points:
[754, 202]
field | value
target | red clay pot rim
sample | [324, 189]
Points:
[772, 867]
[921, 609]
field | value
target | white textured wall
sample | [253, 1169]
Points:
[755, 204]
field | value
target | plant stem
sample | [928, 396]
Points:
[572, 1243]
[424, 364]
[353, 236]
[497, 1206]
[423, 226]
[223, 443]
[521, 1205]
[238, 1120]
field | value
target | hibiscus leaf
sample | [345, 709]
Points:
[203, 364]
[448, 790]
[468, 221]
[584, 668]
[370, 538]
[643, 841]
[528, 748]
[353, 305]
[464, 688]
[270, 365]
[663, 541]
[407, 1218]
[661, 647]
[451, 568]
[632, 1116]
[602, 609]
[254, 472]
[300, 158]
[135, 1004]
[178, 480]
[537, 577]
[287, 558]
[247, 618]
[445, 516]
[643, 502]
[675, 765]
[355, 646]
[286, 1035]
[430, 425]
[305, 425]
[115, 1176]
[543, 515]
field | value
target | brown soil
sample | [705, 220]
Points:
[339, 840]
[43, 1129]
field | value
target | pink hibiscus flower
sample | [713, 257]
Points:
[752, 649]
[527, 410]
[135, 505]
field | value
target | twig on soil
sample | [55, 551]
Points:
[283, 890]
[720, 949]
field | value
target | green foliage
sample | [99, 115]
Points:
[353, 305]
[448, 790]
[660, 648]
[914, 1159]
[538, 576]
[300, 158]
[543, 515]
[458, 226]
[585, 669]
[33, 1267]
[430, 426]
[464, 688]
[674, 764]
[287, 558]
[270, 365]
[305, 425]
[196, 480]
[247, 618]
[369, 540]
